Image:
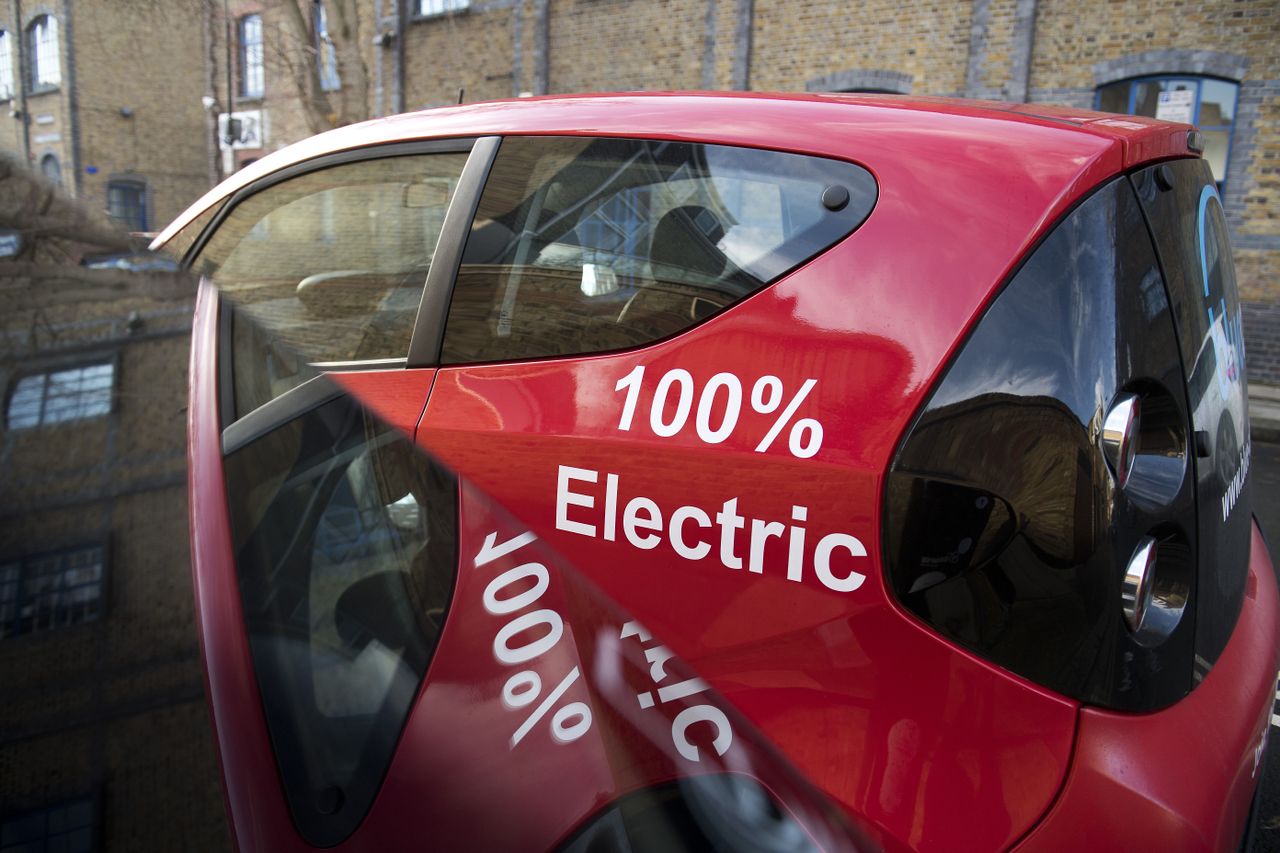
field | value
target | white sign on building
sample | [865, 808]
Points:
[1176, 106]
[241, 130]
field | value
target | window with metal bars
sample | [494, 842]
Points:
[252, 74]
[56, 396]
[57, 589]
[127, 204]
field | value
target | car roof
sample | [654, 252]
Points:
[1044, 140]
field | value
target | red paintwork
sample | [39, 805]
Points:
[254, 800]
[259, 817]
[938, 750]
[873, 319]
[454, 784]
[1129, 787]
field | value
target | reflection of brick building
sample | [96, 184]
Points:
[103, 730]
[98, 100]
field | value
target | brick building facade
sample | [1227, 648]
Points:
[103, 108]
[104, 736]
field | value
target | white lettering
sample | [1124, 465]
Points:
[761, 531]
[822, 561]
[678, 518]
[730, 523]
[632, 521]
[795, 553]
[566, 498]
[701, 714]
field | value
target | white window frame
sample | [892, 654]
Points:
[45, 59]
[252, 67]
[6, 65]
[56, 589]
[77, 392]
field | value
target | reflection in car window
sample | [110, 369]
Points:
[328, 266]
[346, 546]
[584, 245]
[1190, 228]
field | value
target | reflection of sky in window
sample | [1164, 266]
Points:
[64, 395]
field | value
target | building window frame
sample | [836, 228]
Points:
[326, 52]
[44, 59]
[252, 56]
[84, 395]
[49, 590]
[427, 9]
[131, 216]
[1134, 84]
[6, 65]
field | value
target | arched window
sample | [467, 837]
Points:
[1207, 102]
[865, 80]
[44, 63]
[252, 74]
[6, 66]
[51, 169]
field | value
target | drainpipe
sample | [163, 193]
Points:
[210, 99]
[73, 98]
[21, 41]
[401, 14]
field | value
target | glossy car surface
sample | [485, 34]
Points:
[739, 482]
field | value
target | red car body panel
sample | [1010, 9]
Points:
[1129, 788]
[935, 748]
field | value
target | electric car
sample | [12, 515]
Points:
[732, 471]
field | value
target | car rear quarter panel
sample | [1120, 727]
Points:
[896, 724]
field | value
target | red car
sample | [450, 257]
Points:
[653, 472]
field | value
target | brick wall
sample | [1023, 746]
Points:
[111, 706]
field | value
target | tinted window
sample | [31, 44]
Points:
[346, 547]
[1006, 529]
[331, 265]
[583, 245]
[1190, 229]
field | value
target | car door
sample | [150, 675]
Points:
[325, 546]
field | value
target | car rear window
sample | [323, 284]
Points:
[585, 244]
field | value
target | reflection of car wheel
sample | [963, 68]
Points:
[1226, 451]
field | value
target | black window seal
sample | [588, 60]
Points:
[272, 415]
[428, 328]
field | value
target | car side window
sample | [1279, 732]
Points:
[586, 245]
[328, 266]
